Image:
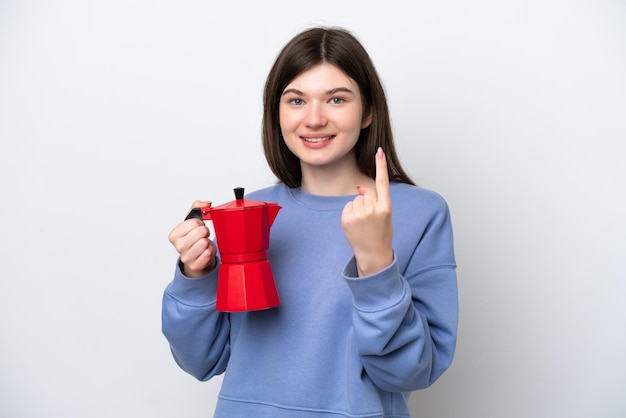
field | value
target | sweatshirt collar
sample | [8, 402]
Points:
[318, 202]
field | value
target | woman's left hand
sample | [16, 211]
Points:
[366, 222]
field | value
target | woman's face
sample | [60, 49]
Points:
[321, 117]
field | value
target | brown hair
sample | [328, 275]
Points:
[338, 47]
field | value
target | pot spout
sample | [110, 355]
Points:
[272, 211]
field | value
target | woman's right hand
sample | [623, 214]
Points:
[191, 240]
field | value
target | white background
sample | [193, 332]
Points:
[115, 115]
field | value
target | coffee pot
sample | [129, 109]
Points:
[242, 230]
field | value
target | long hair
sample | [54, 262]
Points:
[340, 48]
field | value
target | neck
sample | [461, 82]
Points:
[328, 181]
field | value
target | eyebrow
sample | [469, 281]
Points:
[328, 93]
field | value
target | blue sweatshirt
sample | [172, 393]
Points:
[338, 345]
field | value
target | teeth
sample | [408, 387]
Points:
[316, 140]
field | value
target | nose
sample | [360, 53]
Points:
[315, 116]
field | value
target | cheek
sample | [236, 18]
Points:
[288, 122]
[283, 119]
[366, 120]
[354, 120]
[286, 127]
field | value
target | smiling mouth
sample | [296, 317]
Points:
[317, 140]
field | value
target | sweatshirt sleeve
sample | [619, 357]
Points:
[198, 334]
[405, 316]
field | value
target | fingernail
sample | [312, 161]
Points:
[379, 152]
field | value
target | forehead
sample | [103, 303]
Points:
[322, 77]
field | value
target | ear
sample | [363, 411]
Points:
[367, 119]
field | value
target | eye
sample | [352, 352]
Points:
[296, 101]
[337, 100]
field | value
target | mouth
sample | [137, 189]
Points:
[317, 140]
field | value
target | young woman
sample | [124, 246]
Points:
[362, 258]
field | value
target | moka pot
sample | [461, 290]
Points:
[242, 229]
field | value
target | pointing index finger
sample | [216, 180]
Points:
[382, 177]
